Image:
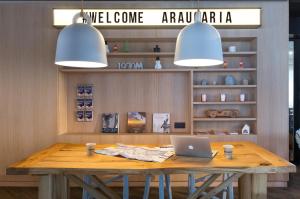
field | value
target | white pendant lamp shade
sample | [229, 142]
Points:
[198, 44]
[81, 45]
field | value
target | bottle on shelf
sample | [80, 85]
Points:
[157, 63]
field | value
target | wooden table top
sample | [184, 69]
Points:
[71, 158]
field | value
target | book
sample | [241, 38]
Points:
[136, 122]
[161, 122]
[110, 122]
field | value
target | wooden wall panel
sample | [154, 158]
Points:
[29, 79]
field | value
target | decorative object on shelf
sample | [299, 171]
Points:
[214, 82]
[115, 48]
[134, 65]
[241, 63]
[88, 116]
[136, 122]
[157, 63]
[156, 49]
[225, 64]
[223, 97]
[198, 44]
[232, 49]
[226, 113]
[125, 47]
[110, 122]
[228, 151]
[81, 45]
[80, 104]
[88, 104]
[245, 81]
[246, 129]
[90, 148]
[242, 97]
[107, 47]
[203, 97]
[229, 80]
[161, 122]
[204, 82]
[80, 116]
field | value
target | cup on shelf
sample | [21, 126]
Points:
[90, 148]
[203, 97]
[228, 151]
[232, 49]
[223, 97]
[242, 97]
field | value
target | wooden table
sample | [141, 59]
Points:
[63, 162]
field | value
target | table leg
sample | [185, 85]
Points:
[46, 187]
[61, 187]
[259, 186]
[245, 186]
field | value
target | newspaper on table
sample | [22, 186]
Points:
[155, 154]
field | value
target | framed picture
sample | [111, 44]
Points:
[136, 122]
[110, 122]
[161, 122]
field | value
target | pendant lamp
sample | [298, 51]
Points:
[198, 44]
[81, 45]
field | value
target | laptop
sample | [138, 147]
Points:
[192, 146]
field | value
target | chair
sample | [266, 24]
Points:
[162, 180]
[87, 179]
[192, 181]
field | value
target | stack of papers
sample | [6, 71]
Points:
[156, 154]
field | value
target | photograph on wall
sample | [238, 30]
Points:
[88, 116]
[80, 90]
[80, 116]
[88, 90]
[88, 104]
[110, 122]
[136, 122]
[161, 122]
[80, 104]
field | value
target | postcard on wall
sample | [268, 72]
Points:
[136, 122]
[110, 122]
[88, 90]
[161, 122]
[88, 104]
[80, 90]
[80, 104]
[80, 116]
[88, 116]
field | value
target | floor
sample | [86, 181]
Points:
[291, 192]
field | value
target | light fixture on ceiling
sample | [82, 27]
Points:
[198, 44]
[81, 45]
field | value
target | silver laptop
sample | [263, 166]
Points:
[192, 146]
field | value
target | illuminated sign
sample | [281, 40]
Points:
[161, 17]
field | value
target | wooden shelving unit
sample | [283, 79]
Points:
[181, 101]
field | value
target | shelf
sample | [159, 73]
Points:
[225, 103]
[121, 134]
[224, 86]
[239, 54]
[169, 39]
[171, 54]
[225, 70]
[178, 69]
[200, 119]
[83, 70]
[140, 54]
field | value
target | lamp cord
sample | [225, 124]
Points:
[198, 5]
[81, 11]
